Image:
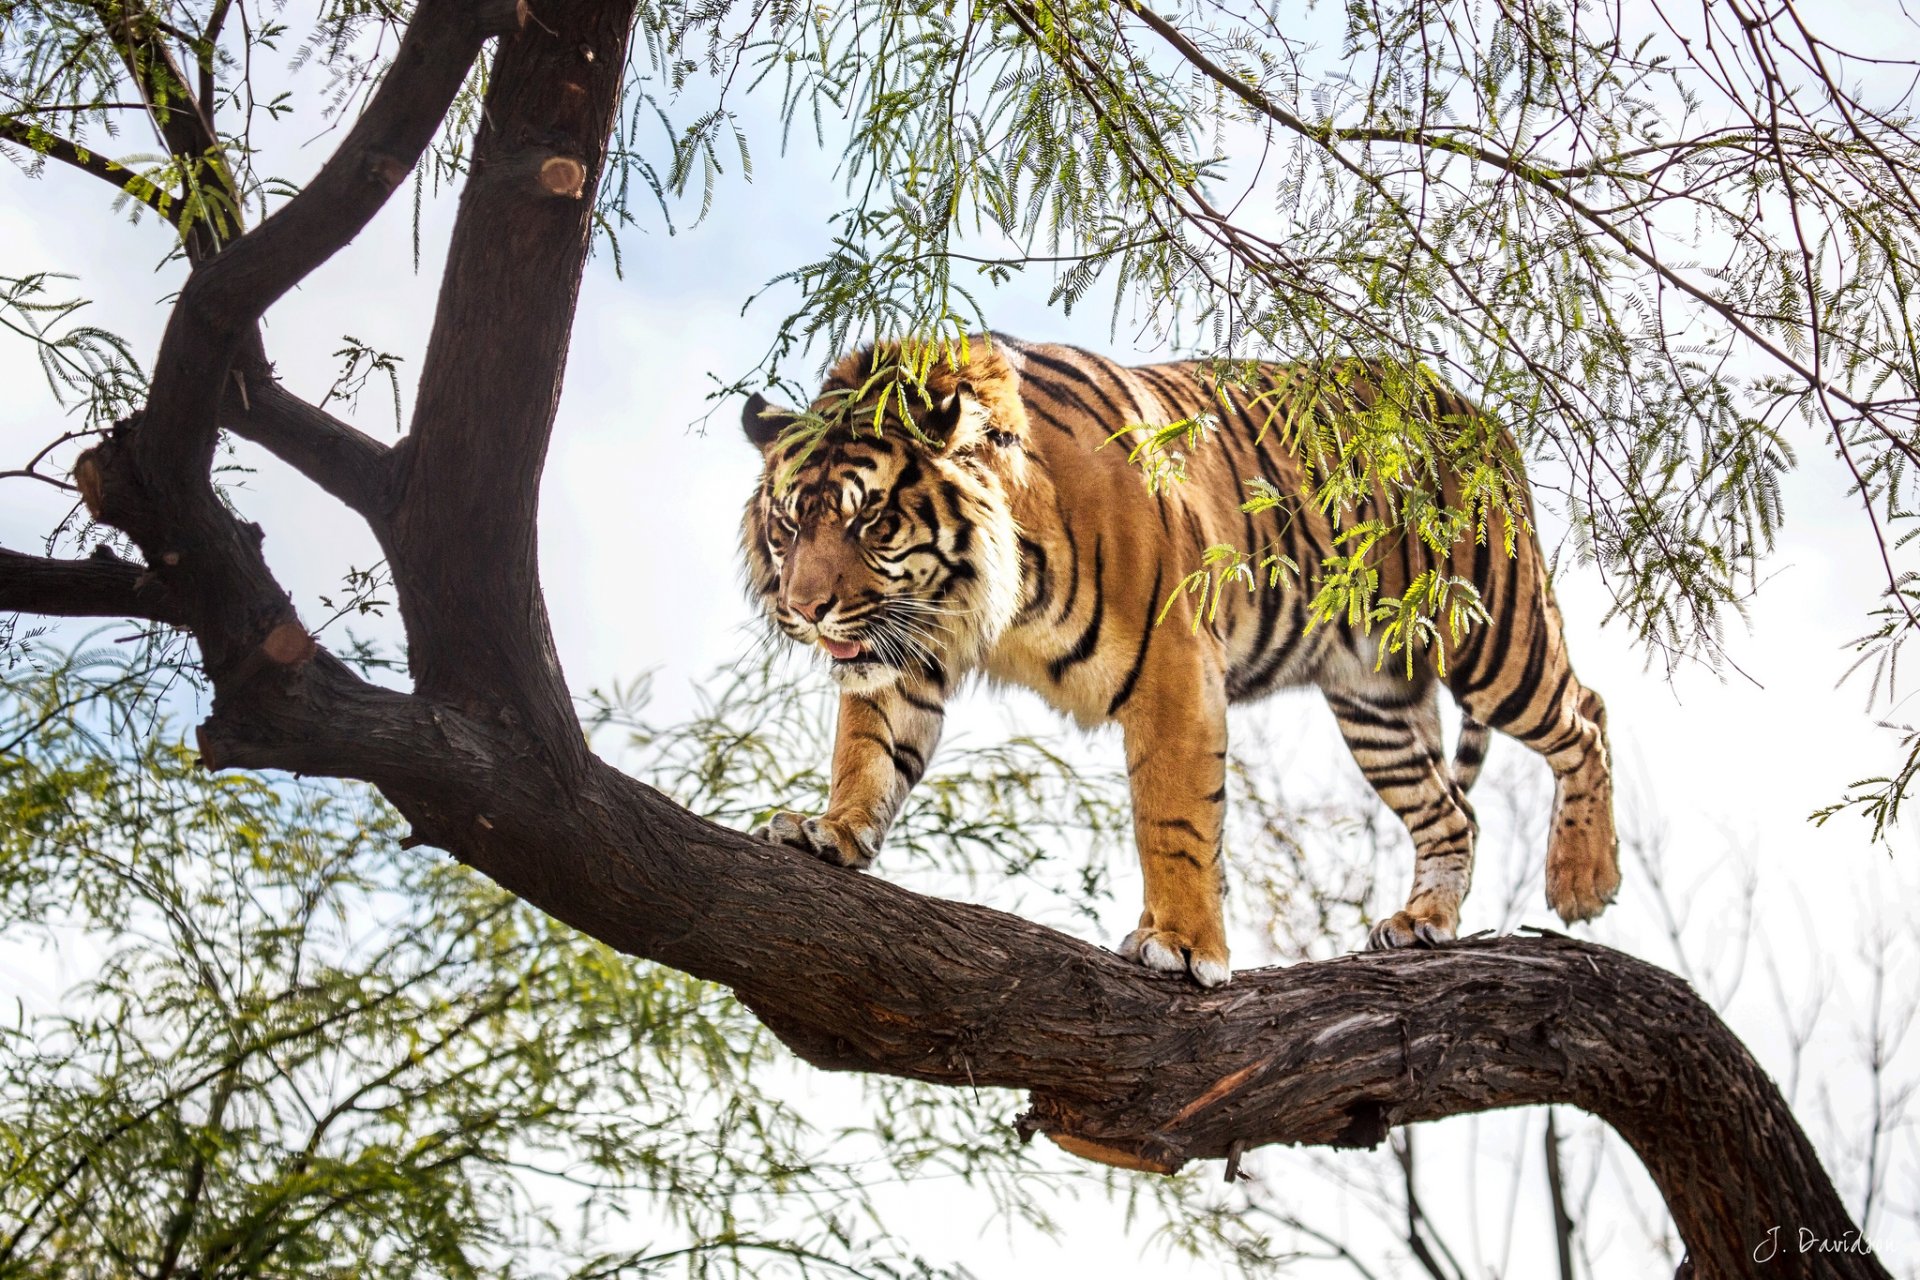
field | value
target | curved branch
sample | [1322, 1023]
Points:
[229, 292]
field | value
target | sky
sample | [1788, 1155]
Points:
[640, 508]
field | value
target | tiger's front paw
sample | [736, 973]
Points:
[1407, 929]
[1171, 952]
[829, 839]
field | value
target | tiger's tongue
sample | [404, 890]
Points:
[843, 650]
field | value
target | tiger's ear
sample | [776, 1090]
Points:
[763, 422]
[961, 420]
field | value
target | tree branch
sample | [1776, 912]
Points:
[44, 142]
[349, 464]
[151, 479]
[101, 586]
[464, 543]
[185, 123]
[230, 292]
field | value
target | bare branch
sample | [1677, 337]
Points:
[101, 586]
[1556, 1187]
[349, 464]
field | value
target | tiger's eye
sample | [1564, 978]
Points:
[883, 527]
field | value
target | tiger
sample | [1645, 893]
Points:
[992, 536]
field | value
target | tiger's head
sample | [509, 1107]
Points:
[893, 549]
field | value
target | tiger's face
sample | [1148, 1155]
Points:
[894, 556]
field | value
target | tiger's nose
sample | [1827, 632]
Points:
[812, 610]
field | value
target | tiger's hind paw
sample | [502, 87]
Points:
[1581, 889]
[1403, 929]
[1168, 952]
[827, 839]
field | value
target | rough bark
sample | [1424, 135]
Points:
[102, 585]
[487, 761]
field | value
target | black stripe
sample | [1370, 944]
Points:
[1170, 390]
[1073, 569]
[1285, 518]
[1180, 824]
[1504, 629]
[909, 763]
[1113, 414]
[1146, 638]
[1466, 656]
[1415, 829]
[1515, 702]
[1349, 709]
[1194, 530]
[1549, 710]
[927, 705]
[1089, 638]
[1060, 395]
[1416, 775]
[1033, 564]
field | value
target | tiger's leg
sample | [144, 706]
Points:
[1544, 706]
[881, 747]
[1175, 723]
[1392, 726]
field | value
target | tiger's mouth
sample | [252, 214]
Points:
[842, 650]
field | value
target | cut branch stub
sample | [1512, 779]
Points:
[563, 176]
[288, 645]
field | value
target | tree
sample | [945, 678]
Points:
[1071, 129]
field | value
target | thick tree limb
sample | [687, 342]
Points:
[101, 586]
[463, 546]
